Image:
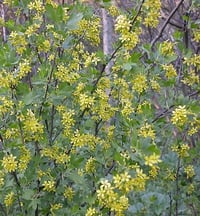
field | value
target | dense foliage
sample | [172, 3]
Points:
[77, 140]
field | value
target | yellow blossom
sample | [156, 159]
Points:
[9, 199]
[170, 71]
[25, 157]
[196, 35]
[181, 150]
[9, 163]
[91, 212]
[19, 41]
[193, 61]
[123, 24]
[113, 11]
[68, 193]
[191, 78]
[153, 12]
[167, 48]
[24, 69]
[152, 159]
[2, 175]
[32, 128]
[85, 101]
[90, 165]
[189, 170]
[121, 181]
[154, 171]
[49, 186]
[36, 5]
[179, 116]
[140, 83]
[6, 105]
[147, 131]
[55, 207]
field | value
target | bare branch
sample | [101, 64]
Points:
[166, 22]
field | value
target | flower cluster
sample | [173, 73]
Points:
[55, 153]
[109, 198]
[25, 157]
[179, 116]
[189, 170]
[68, 193]
[147, 131]
[167, 48]
[181, 150]
[140, 83]
[196, 35]
[18, 40]
[193, 61]
[128, 37]
[9, 199]
[90, 30]
[80, 140]
[191, 79]
[153, 12]
[67, 74]
[32, 128]
[90, 165]
[6, 105]
[49, 185]
[9, 163]
[152, 160]
[170, 71]
[67, 119]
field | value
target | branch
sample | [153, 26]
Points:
[3, 18]
[166, 22]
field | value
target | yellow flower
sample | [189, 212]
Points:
[181, 150]
[85, 101]
[154, 171]
[55, 207]
[25, 157]
[140, 83]
[24, 69]
[193, 61]
[153, 12]
[9, 163]
[32, 128]
[167, 48]
[49, 186]
[191, 78]
[68, 193]
[91, 212]
[152, 159]
[121, 181]
[189, 170]
[196, 35]
[90, 165]
[123, 24]
[179, 116]
[155, 85]
[2, 174]
[36, 5]
[9, 199]
[113, 11]
[170, 71]
[147, 131]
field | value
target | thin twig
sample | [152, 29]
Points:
[166, 22]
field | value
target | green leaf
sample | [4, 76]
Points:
[72, 23]
[28, 194]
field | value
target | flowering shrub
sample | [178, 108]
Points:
[76, 140]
